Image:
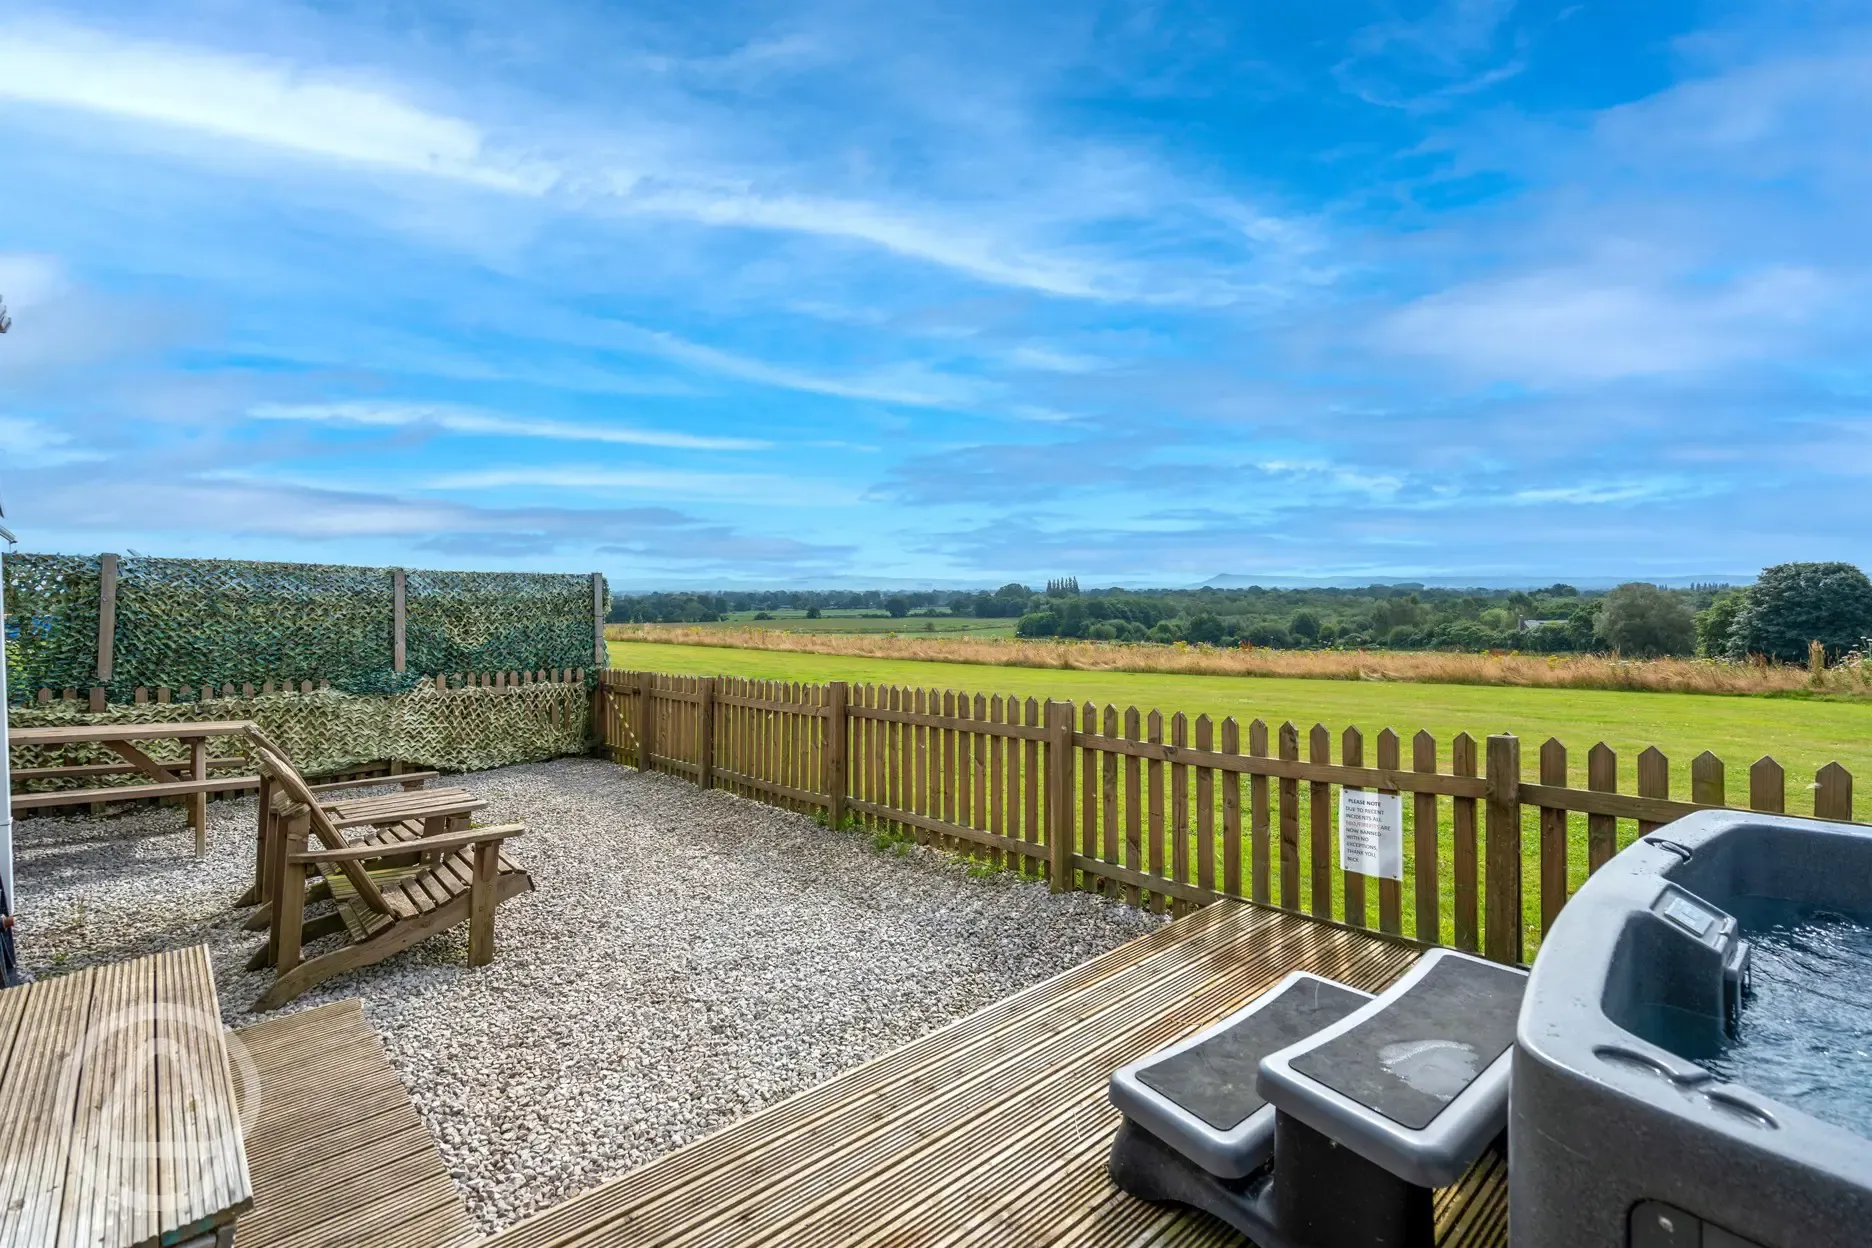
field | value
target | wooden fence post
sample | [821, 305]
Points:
[705, 733]
[399, 617]
[1502, 904]
[646, 720]
[836, 694]
[600, 656]
[106, 628]
[1833, 793]
[1059, 794]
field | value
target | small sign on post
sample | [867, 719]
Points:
[1371, 833]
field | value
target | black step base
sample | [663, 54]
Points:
[1329, 1197]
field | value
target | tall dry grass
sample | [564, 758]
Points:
[1588, 671]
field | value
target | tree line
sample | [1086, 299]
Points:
[1788, 608]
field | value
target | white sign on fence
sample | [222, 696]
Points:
[1371, 833]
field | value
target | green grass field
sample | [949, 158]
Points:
[839, 620]
[1802, 734]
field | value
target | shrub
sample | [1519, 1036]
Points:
[1038, 624]
[812, 613]
[1716, 622]
[1792, 604]
[1205, 630]
[1646, 622]
[898, 607]
[1266, 633]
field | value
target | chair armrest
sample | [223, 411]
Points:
[406, 779]
[428, 844]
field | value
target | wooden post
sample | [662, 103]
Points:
[399, 618]
[600, 656]
[1429, 915]
[705, 733]
[481, 903]
[289, 897]
[1553, 836]
[1502, 902]
[646, 691]
[198, 801]
[1059, 794]
[836, 695]
[264, 844]
[1833, 793]
[106, 628]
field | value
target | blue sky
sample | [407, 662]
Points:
[819, 293]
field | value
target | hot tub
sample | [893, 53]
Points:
[1693, 1061]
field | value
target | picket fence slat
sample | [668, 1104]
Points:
[1148, 804]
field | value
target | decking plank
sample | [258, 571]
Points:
[993, 1130]
[340, 1156]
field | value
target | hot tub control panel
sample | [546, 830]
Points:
[1658, 1225]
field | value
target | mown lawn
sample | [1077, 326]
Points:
[1801, 733]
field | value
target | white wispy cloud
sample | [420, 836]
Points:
[910, 384]
[366, 119]
[253, 99]
[489, 424]
[1589, 325]
[1053, 360]
[747, 487]
[32, 444]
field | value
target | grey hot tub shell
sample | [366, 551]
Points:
[1603, 1119]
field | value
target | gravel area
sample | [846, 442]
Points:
[687, 957]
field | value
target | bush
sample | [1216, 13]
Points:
[1205, 630]
[812, 613]
[1266, 633]
[1792, 604]
[1038, 624]
[1643, 621]
[1716, 622]
[898, 607]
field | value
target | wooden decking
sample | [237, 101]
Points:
[118, 1126]
[992, 1131]
[340, 1158]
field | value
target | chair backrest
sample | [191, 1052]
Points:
[288, 779]
[257, 736]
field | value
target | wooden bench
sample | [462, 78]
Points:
[385, 902]
[188, 779]
[119, 1125]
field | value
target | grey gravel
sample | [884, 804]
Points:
[687, 958]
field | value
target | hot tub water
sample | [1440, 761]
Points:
[1805, 1038]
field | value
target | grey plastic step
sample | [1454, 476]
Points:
[1199, 1095]
[1416, 1080]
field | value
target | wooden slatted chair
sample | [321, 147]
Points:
[385, 903]
[423, 810]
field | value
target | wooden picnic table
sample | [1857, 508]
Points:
[120, 1127]
[187, 778]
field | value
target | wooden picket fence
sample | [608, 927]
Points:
[1152, 807]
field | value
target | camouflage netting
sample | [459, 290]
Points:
[460, 730]
[51, 622]
[195, 622]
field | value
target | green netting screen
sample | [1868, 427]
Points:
[196, 622]
[457, 730]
